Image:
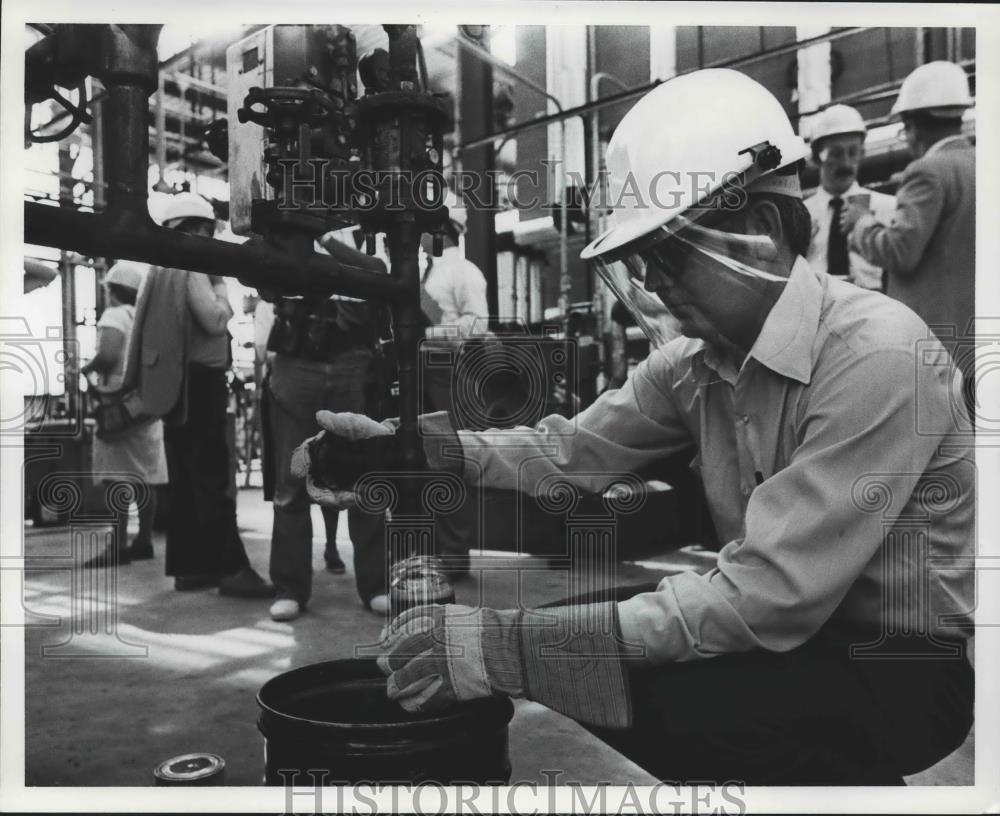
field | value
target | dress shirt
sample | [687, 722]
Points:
[458, 288]
[861, 272]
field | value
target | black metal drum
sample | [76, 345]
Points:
[332, 724]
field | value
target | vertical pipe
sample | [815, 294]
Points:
[126, 144]
[565, 282]
[475, 106]
[99, 188]
[403, 241]
[71, 364]
[161, 133]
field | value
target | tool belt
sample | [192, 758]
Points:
[322, 330]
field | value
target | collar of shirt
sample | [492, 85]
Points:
[824, 198]
[934, 148]
[785, 342]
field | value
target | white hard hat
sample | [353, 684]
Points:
[836, 121]
[456, 212]
[690, 137]
[940, 88]
[187, 205]
[126, 273]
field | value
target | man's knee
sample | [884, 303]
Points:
[291, 499]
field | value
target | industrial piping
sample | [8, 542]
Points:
[124, 56]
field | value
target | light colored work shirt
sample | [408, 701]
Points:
[456, 288]
[832, 463]
[121, 318]
[210, 315]
[860, 270]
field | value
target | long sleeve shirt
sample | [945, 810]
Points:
[833, 465]
[458, 289]
[210, 312]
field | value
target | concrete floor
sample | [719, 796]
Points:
[178, 673]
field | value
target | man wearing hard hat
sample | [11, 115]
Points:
[183, 355]
[929, 248]
[822, 648]
[838, 144]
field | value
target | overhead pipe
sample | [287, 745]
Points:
[641, 90]
[499, 64]
[137, 238]
[128, 69]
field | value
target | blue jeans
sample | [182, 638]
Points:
[298, 389]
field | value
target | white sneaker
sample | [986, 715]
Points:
[379, 604]
[285, 609]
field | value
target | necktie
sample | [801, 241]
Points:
[431, 309]
[836, 247]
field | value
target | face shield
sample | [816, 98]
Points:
[704, 260]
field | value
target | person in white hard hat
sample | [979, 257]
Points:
[929, 248]
[787, 663]
[838, 145]
[184, 317]
[136, 450]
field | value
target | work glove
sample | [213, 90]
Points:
[348, 447]
[564, 657]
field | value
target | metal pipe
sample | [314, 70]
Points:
[126, 145]
[67, 272]
[403, 239]
[595, 133]
[499, 64]
[595, 292]
[126, 231]
[581, 110]
[872, 93]
[134, 236]
[161, 133]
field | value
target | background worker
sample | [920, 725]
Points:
[135, 456]
[929, 248]
[453, 300]
[184, 345]
[323, 358]
[838, 146]
[263, 322]
[755, 670]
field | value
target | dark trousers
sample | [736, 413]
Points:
[202, 536]
[143, 496]
[298, 389]
[455, 531]
[810, 716]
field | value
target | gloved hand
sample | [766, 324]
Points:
[348, 447]
[565, 657]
